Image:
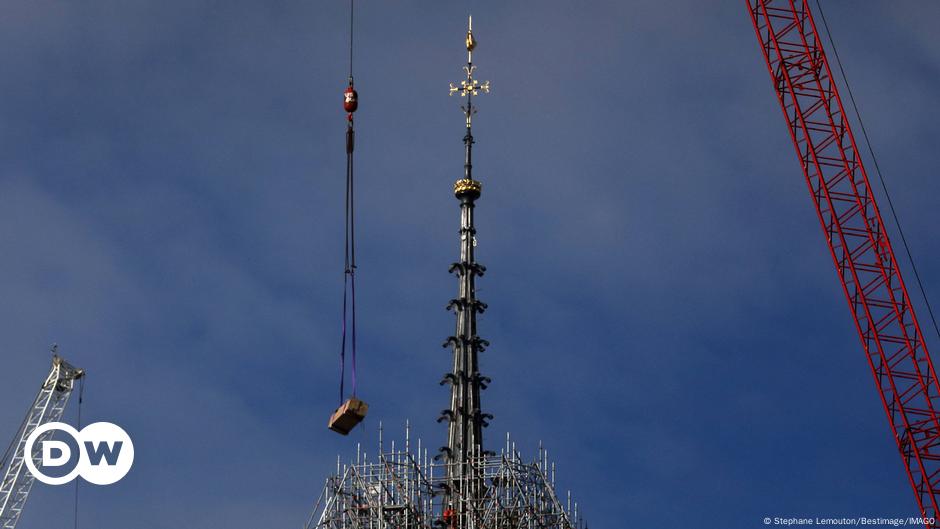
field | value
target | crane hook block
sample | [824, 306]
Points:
[350, 99]
[348, 415]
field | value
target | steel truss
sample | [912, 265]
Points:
[857, 237]
[48, 407]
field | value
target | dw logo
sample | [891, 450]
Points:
[102, 453]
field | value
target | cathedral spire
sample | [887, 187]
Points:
[470, 488]
[466, 419]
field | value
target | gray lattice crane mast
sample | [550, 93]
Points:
[48, 407]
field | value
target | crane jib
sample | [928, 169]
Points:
[15, 479]
[835, 174]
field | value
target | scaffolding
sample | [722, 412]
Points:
[401, 488]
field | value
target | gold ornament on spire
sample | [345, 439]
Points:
[470, 86]
[471, 42]
[468, 188]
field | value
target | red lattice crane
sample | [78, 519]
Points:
[857, 237]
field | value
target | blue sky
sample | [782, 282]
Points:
[664, 313]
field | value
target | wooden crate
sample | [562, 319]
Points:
[348, 415]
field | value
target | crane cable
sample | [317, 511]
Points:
[81, 397]
[881, 178]
[350, 103]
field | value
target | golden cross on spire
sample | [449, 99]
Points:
[470, 86]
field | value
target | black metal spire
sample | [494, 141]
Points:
[466, 419]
